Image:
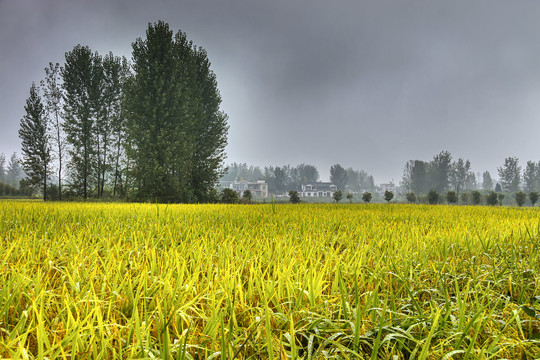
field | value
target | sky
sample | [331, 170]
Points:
[365, 84]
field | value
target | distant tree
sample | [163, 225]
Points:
[415, 176]
[14, 171]
[520, 198]
[247, 196]
[433, 197]
[459, 174]
[350, 197]
[476, 197]
[501, 198]
[53, 99]
[2, 168]
[491, 198]
[530, 176]
[388, 196]
[338, 195]
[440, 169]
[510, 174]
[411, 197]
[533, 197]
[498, 188]
[451, 197]
[338, 176]
[35, 142]
[294, 197]
[366, 197]
[487, 181]
[229, 196]
[464, 198]
[307, 174]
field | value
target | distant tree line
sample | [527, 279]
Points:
[11, 177]
[282, 179]
[151, 129]
[446, 179]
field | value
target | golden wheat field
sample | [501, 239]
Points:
[327, 281]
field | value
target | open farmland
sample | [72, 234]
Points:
[268, 281]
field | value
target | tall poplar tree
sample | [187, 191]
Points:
[52, 94]
[2, 168]
[35, 142]
[176, 133]
[81, 84]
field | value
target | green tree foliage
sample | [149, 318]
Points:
[500, 198]
[487, 181]
[350, 197]
[35, 142]
[433, 197]
[533, 197]
[411, 197]
[53, 100]
[491, 198]
[176, 132]
[510, 174]
[2, 168]
[229, 196]
[388, 196]
[498, 188]
[521, 197]
[358, 180]
[338, 176]
[531, 176]
[415, 176]
[440, 169]
[338, 195]
[81, 76]
[366, 197]
[459, 175]
[464, 198]
[476, 197]
[294, 197]
[14, 171]
[304, 174]
[451, 197]
[247, 196]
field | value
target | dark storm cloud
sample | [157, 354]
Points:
[368, 84]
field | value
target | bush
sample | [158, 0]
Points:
[520, 198]
[464, 198]
[350, 197]
[433, 197]
[411, 197]
[451, 197]
[229, 196]
[366, 197]
[388, 196]
[533, 197]
[491, 198]
[246, 196]
[294, 197]
[338, 195]
[476, 197]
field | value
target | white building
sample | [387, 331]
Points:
[318, 189]
[258, 188]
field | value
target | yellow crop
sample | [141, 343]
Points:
[268, 281]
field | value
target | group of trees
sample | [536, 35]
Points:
[439, 174]
[445, 174]
[11, 174]
[281, 179]
[152, 129]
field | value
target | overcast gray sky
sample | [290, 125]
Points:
[367, 84]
